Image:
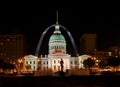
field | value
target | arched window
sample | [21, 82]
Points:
[54, 61]
[75, 62]
[54, 67]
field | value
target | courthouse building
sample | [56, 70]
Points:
[56, 53]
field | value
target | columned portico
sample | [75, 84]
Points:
[54, 62]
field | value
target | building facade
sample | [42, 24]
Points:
[12, 47]
[88, 43]
[56, 53]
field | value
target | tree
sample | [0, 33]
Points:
[7, 65]
[89, 63]
[1, 63]
[102, 63]
[114, 62]
[28, 66]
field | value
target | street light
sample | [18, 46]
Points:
[38, 63]
[20, 61]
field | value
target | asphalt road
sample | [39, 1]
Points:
[70, 81]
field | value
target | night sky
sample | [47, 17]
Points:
[106, 27]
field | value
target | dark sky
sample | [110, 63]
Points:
[106, 27]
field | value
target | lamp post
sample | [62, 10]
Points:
[38, 64]
[20, 61]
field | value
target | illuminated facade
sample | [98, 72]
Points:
[57, 51]
[30, 63]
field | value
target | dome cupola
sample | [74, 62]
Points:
[57, 42]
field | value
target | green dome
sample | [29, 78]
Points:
[57, 37]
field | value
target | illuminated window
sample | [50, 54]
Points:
[44, 62]
[75, 62]
[58, 61]
[54, 61]
[110, 53]
[43, 67]
[54, 67]
[39, 62]
[33, 67]
[58, 68]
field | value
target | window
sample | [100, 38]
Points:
[58, 61]
[44, 62]
[30, 62]
[58, 68]
[34, 62]
[34, 67]
[54, 67]
[54, 61]
[39, 62]
[75, 62]
[44, 68]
